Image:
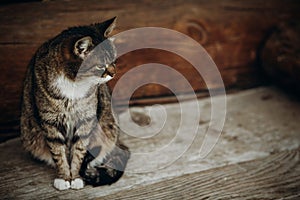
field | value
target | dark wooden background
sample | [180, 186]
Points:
[232, 32]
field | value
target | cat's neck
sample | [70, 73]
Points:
[73, 89]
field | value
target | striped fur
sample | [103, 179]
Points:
[66, 109]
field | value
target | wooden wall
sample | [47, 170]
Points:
[231, 31]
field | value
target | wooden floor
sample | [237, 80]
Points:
[257, 157]
[275, 177]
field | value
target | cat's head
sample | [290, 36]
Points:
[86, 52]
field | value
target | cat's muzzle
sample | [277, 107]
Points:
[108, 70]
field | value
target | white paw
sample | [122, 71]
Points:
[61, 184]
[77, 183]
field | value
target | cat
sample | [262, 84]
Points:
[66, 118]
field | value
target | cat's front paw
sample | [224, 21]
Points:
[61, 184]
[77, 183]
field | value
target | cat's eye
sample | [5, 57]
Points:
[100, 68]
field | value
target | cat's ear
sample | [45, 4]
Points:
[83, 46]
[107, 26]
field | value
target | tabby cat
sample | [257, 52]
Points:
[67, 119]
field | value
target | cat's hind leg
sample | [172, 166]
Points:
[34, 142]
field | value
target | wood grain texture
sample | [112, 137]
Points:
[253, 131]
[274, 177]
[231, 32]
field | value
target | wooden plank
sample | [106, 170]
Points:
[252, 131]
[274, 177]
[230, 31]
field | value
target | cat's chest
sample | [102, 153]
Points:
[75, 114]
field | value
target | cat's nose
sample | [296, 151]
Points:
[111, 69]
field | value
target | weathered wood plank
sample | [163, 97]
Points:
[231, 31]
[253, 130]
[275, 177]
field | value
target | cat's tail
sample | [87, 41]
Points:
[109, 171]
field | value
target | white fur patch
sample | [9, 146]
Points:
[77, 183]
[73, 89]
[77, 89]
[61, 184]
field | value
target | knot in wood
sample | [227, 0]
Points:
[197, 31]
